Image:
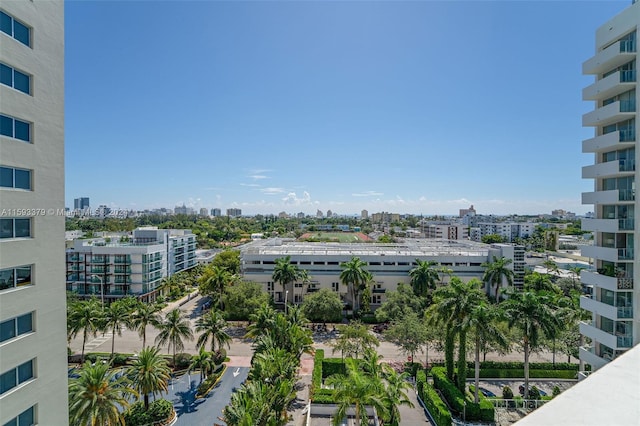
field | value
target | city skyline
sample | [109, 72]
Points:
[416, 107]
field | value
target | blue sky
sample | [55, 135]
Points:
[420, 107]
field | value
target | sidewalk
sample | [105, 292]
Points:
[178, 303]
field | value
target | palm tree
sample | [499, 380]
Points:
[84, 316]
[395, 394]
[214, 281]
[144, 315]
[423, 277]
[116, 315]
[202, 361]
[482, 322]
[285, 273]
[173, 329]
[211, 326]
[97, 396]
[149, 374]
[305, 280]
[355, 390]
[575, 272]
[551, 267]
[496, 272]
[532, 314]
[539, 282]
[260, 321]
[354, 276]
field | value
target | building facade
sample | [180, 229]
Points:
[33, 353]
[110, 270]
[81, 203]
[234, 212]
[389, 263]
[613, 328]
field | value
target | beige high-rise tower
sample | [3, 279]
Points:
[33, 375]
[613, 328]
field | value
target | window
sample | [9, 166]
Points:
[16, 326]
[15, 178]
[14, 28]
[14, 128]
[26, 418]
[15, 277]
[15, 228]
[14, 78]
[16, 376]
[335, 286]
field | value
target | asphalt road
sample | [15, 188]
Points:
[203, 411]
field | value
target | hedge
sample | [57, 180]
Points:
[316, 376]
[519, 365]
[331, 366]
[455, 398]
[494, 373]
[207, 384]
[487, 409]
[436, 406]
[159, 412]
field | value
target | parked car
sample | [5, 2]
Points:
[487, 392]
[540, 391]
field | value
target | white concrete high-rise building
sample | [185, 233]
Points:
[614, 303]
[33, 353]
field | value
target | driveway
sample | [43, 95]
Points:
[203, 411]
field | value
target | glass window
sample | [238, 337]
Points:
[6, 75]
[6, 177]
[23, 276]
[21, 33]
[7, 278]
[27, 418]
[6, 126]
[22, 179]
[6, 228]
[21, 82]
[7, 329]
[25, 323]
[8, 381]
[22, 130]
[25, 371]
[23, 228]
[5, 23]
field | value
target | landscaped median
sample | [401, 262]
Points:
[209, 383]
[460, 403]
[435, 405]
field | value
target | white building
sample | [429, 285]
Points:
[507, 230]
[389, 263]
[33, 353]
[613, 328]
[110, 270]
[447, 231]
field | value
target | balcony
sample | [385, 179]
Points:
[625, 254]
[594, 333]
[608, 169]
[587, 354]
[599, 308]
[610, 86]
[619, 139]
[612, 57]
[610, 114]
[379, 290]
[603, 253]
[605, 281]
[600, 225]
[601, 197]
[624, 341]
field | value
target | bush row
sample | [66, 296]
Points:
[207, 384]
[316, 376]
[436, 406]
[494, 373]
[331, 366]
[159, 412]
[483, 411]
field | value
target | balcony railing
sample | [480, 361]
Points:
[625, 312]
[627, 76]
[627, 135]
[625, 254]
[625, 283]
[627, 46]
[626, 194]
[627, 165]
[628, 105]
[626, 224]
[625, 341]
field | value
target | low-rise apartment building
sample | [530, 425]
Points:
[111, 270]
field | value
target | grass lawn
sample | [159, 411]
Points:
[338, 237]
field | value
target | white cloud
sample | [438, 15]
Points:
[292, 199]
[272, 191]
[252, 185]
[368, 194]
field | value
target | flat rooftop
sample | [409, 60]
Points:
[413, 248]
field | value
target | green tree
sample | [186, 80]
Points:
[532, 314]
[85, 317]
[423, 277]
[149, 374]
[354, 339]
[243, 299]
[285, 273]
[229, 260]
[115, 316]
[262, 320]
[551, 267]
[213, 283]
[496, 272]
[492, 239]
[358, 391]
[97, 395]
[395, 394]
[202, 361]
[212, 326]
[143, 316]
[409, 333]
[399, 303]
[323, 306]
[173, 329]
[536, 281]
[355, 277]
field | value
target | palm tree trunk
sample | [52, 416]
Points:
[554, 351]
[146, 402]
[113, 340]
[497, 292]
[477, 368]
[526, 368]
[144, 337]
[84, 340]
[462, 361]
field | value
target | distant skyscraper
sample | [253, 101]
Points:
[364, 214]
[203, 212]
[319, 214]
[234, 212]
[329, 213]
[469, 211]
[216, 212]
[33, 352]
[615, 321]
[81, 203]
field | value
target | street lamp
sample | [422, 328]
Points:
[101, 288]
[286, 295]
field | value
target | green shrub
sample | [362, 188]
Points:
[219, 356]
[487, 410]
[507, 393]
[119, 359]
[159, 411]
[412, 368]
[183, 360]
[436, 406]
[556, 391]
[207, 384]
[457, 400]
[534, 393]
[323, 396]
[331, 366]
[316, 376]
